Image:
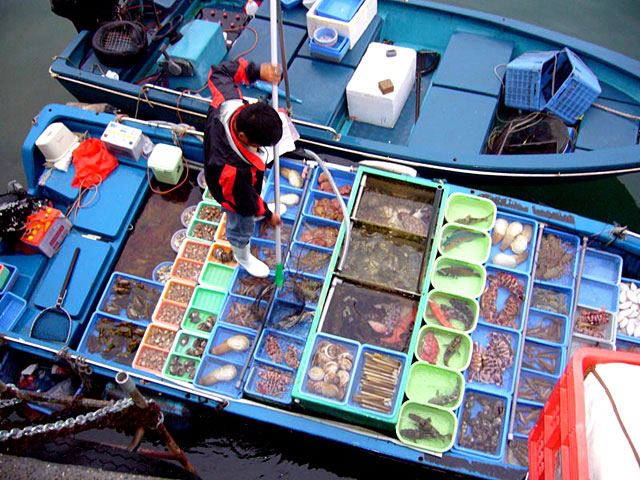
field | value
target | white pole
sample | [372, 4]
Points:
[273, 18]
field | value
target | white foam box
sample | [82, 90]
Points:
[166, 163]
[123, 141]
[353, 29]
[365, 100]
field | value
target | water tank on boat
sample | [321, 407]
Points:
[85, 14]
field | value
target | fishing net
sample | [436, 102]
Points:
[532, 133]
[119, 43]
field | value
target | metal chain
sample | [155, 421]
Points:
[17, 433]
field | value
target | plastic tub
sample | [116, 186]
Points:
[341, 10]
[178, 291]
[209, 212]
[246, 285]
[526, 417]
[150, 359]
[194, 250]
[502, 255]
[269, 382]
[162, 272]
[180, 367]
[317, 231]
[221, 333]
[458, 277]
[11, 277]
[264, 231]
[202, 231]
[292, 210]
[551, 299]
[202, 182]
[11, 309]
[543, 358]
[323, 205]
[595, 323]
[280, 349]
[470, 210]
[288, 317]
[435, 385]
[177, 238]
[596, 294]
[223, 254]
[305, 258]
[265, 251]
[169, 313]
[301, 168]
[207, 299]
[504, 298]
[299, 287]
[443, 420]
[536, 387]
[119, 294]
[199, 320]
[460, 312]
[325, 36]
[189, 344]
[241, 311]
[187, 215]
[602, 266]
[458, 360]
[547, 327]
[560, 245]
[579, 341]
[186, 270]
[212, 376]
[343, 180]
[464, 243]
[159, 337]
[216, 276]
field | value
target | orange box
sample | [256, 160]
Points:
[227, 248]
[45, 230]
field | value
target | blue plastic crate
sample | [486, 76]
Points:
[246, 285]
[333, 54]
[550, 298]
[527, 265]
[269, 382]
[287, 317]
[292, 210]
[524, 78]
[242, 311]
[11, 309]
[318, 196]
[300, 287]
[510, 286]
[547, 327]
[264, 231]
[121, 304]
[11, 278]
[343, 180]
[292, 165]
[265, 250]
[602, 266]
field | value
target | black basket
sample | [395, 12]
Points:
[119, 43]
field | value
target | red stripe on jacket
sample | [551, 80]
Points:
[227, 182]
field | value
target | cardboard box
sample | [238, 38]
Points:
[367, 103]
[353, 29]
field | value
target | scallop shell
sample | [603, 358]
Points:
[222, 374]
[499, 229]
[316, 374]
[513, 230]
[331, 367]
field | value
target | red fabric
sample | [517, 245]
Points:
[93, 163]
[227, 181]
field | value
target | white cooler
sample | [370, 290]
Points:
[365, 100]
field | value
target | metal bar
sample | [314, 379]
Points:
[574, 306]
[437, 201]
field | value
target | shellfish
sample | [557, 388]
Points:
[294, 177]
[513, 230]
[222, 374]
[499, 229]
[237, 343]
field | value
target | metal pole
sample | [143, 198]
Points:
[273, 14]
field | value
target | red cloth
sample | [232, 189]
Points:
[93, 163]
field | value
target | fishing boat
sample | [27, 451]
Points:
[473, 94]
[402, 325]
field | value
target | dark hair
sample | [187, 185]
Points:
[260, 123]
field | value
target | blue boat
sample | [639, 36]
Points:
[347, 308]
[479, 78]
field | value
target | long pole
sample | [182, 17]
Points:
[273, 16]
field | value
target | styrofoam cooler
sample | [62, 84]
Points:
[365, 100]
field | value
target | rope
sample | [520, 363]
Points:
[616, 112]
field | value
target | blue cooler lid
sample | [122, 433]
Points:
[342, 10]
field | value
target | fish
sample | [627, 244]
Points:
[459, 237]
[439, 314]
[444, 399]
[400, 329]
[452, 348]
[469, 220]
[458, 271]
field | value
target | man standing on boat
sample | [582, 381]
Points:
[238, 142]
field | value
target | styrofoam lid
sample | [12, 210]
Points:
[165, 157]
[57, 143]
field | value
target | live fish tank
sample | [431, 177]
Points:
[378, 256]
[369, 316]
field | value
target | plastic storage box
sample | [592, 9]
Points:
[352, 29]
[166, 163]
[365, 100]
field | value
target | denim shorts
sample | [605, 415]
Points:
[238, 228]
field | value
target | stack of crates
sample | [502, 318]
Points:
[556, 81]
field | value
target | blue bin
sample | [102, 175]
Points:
[602, 266]
[287, 317]
[270, 382]
[315, 196]
[11, 309]
[343, 180]
[109, 306]
[226, 387]
[515, 285]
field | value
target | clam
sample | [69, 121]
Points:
[237, 343]
[343, 377]
[316, 374]
[345, 364]
[331, 367]
[331, 350]
[499, 229]
[513, 230]
[330, 390]
[222, 374]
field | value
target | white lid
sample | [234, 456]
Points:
[57, 143]
[165, 157]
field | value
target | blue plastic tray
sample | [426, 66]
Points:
[341, 178]
[518, 280]
[109, 306]
[233, 302]
[540, 319]
[566, 277]
[11, 279]
[280, 318]
[11, 308]
[265, 250]
[222, 332]
[292, 279]
[228, 387]
[545, 385]
[333, 54]
[280, 349]
[307, 224]
[316, 195]
[526, 417]
[602, 266]
[595, 294]
[291, 164]
[260, 384]
[264, 231]
[342, 10]
[525, 266]
[292, 210]
[245, 285]
[548, 359]
[563, 298]
[301, 256]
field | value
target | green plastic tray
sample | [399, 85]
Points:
[427, 382]
[444, 336]
[216, 275]
[182, 358]
[468, 244]
[206, 298]
[471, 210]
[443, 420]
[444, 302]
[459, 277]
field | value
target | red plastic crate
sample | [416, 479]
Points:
[560, 429]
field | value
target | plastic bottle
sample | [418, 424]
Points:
[250, 8]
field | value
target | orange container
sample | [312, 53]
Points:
[186, 270]
[561, 424]
[169, 314]
[194, 250]
[150, 359]
[227, 248]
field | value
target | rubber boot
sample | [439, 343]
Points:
[251, 264]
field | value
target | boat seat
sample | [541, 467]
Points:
[354, 55]
[469, 61]
[107, 213]
[601, 129]
[290, 16]
[333, 78]
[453, 120]
[293, 38]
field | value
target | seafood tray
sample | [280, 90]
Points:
[218, 375]
[493, 360]
[11, 309]
[464, 243]
[378, 256]
[551, 299]
[292, 208]
[547, 327]
[11, 278]
[194, 250]
[216, 275]
[317, 231]
[242, 311]
[290, 318]
[264, 231]
[264, 250]
[187, 270]
[323, 205]
[536, 387]
[456, 276]
[301, 170]
[246, 285]
[280, 349]
[517, 451]
[129, 297]
[557, 262]
[483, 423]
[453, 311]
[207, 197]
[202, 231]
[433, 385]
[169, 313]
[596, 323]
[504, 299]
[187, 215]
[300, 288]
[526, 417]
[178, 291]
[209, 212]
[207, 299]
[629, 310]
[270, 382]
[111, 340]
[181, 367]
[443, 347]
[189, 344]
[627, 346]
[596, 294]
[199, 321]
[602, 266]
[162, 272]
[329, 374]
[520, 257]
[304, 258]
[343, 180]
[578, 341]
[395, 204]
[229, 342]
[222, 254]
[376, 387]
[150, 359]
[426, 427]
[544, 358]
[369, 316]
[159, 337]
[470, 210]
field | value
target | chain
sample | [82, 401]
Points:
[10, 402]
[69, 423]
